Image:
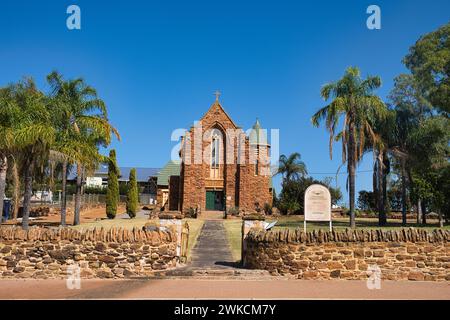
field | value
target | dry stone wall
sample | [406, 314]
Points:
[116, 253]
[406, 254]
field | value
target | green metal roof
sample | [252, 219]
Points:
[257, 135]
[172, 168]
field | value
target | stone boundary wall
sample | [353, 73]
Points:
[115, 253]
[407, 254]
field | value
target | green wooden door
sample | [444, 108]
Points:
[210, 195]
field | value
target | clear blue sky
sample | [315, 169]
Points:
[157, 63]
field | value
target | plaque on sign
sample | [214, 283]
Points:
[317, 204]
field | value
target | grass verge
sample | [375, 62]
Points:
[294, 222]
[195, 226]
[233, 229]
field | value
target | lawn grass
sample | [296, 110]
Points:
[233, 229]
[294, 222]
[195, 226]
[113, 223]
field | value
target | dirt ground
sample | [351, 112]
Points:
[88, 215]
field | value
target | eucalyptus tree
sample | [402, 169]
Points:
[353, 100]
[431, 154]
[83, 126]
[429, 62]
[421, 137]
[411, 109]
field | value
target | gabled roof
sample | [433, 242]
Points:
[142, 174]
[217, 103]
[172, 168]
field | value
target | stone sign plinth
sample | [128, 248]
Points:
[317, 204]
[172, 220]
[249, 222]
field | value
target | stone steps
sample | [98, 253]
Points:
[211, 215]
[220, 273]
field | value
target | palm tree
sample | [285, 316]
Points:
[5, 138]
[291, 167]
[383, 150]
[83, 126]
[354, 101]
[32, 134]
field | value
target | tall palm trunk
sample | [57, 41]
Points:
[63, 193]
[16, 189]
[441, 218]
[380, 192]
[76, 217]
[51, 182]
[385, 171]
[28, 189]
[404, 201]
[424, 212]
[3, 168]
[375, 185]
[351, 172]
[419, 202]
[419, 211]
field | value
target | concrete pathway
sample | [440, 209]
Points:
[139, 214]
[211, 255]
[212, 249]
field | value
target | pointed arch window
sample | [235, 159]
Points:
[215, 156]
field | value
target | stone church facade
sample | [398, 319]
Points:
[221, 166]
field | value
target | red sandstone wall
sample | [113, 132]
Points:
[241, 187]
[407, 254]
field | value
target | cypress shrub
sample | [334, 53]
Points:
[132, 194]
[112, 193]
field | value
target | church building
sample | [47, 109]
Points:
[221, 167]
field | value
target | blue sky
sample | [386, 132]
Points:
[157, 63]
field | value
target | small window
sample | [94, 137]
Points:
[215, 152]
[256, 160]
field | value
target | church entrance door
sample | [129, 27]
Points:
[214, 200]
